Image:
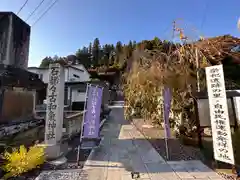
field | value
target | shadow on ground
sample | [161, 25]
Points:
[126, 148]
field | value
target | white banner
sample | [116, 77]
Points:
[221, 132]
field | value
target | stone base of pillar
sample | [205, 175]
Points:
[59, 161]
[55, 151]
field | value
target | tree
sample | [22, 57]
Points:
[108, 48]
[71, 59]
[90, 48]
[96, 51]
[45, 62]
[84, 49]
[119, 47]
[55, 57]
[119, 50]
[134, 44]
[130, 45]
[156, 42]
[129, 49]
[84, 58]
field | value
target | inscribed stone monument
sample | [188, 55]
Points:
[54, 113]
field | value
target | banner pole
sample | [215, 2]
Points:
[166, 138]
[81, 131]
[166, 106]
[167, 150]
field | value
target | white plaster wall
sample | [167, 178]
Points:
[69, 74]
[85, 76]
[82, 75]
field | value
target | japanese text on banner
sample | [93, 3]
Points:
[92, 117]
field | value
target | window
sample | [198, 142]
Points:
[76, 76]
[81, 91]
[82, 88]
[40, 76]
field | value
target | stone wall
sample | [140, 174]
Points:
[14, 128]
[16, 104]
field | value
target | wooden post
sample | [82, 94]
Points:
[200, 145]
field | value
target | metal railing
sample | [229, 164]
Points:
[72, 121]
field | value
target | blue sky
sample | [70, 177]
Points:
[71, 24]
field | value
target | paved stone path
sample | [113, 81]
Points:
[124, 150]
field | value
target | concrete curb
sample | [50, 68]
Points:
[102, 122]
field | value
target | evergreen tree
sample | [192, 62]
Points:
[134, 44]
[84, 49]
[90, 48]
[119, 47]
[45, 62]
[83, 57]
[96, 51]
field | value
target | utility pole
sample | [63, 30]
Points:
[174, 28]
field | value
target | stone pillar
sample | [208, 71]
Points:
[54, 113]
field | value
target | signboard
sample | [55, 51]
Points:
[55, 104]
[167, 107]
[221, 132]
[92, 116]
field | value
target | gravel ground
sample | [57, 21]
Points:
[177, 151]
[71, 163]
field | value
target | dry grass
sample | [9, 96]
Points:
[217, 48]
[155, 70]
[174, 66]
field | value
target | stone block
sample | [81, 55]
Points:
[54, 151]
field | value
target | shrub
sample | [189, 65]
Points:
[150, 72]
[22, 160]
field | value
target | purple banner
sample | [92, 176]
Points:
[167, 107]
[92, 116]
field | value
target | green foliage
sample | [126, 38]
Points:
[96, 52]
[96, 55]
[22, 160]
[84, 58]
[45, 62]
[115, 66]
[49, 60]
